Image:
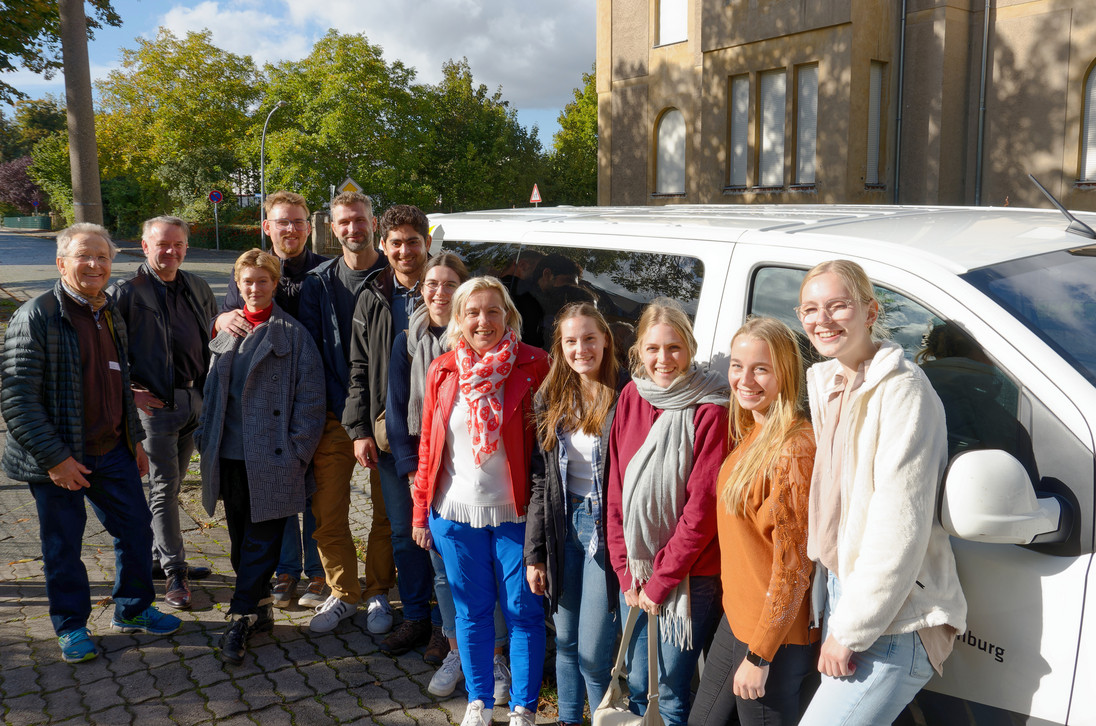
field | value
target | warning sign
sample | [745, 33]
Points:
[534, 198]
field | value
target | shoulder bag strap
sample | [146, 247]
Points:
[629, 628]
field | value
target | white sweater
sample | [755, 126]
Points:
[898, 571]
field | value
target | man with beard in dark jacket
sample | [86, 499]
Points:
[73, 435]
[168, 313]
[384, 308]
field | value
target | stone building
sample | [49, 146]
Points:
[846, 101]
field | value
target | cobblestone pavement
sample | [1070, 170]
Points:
[289, 676]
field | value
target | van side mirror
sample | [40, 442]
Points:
[988, 497]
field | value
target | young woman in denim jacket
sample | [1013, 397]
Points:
[565, 530]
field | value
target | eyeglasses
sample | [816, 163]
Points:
[286, 224]
[88, 259]
[837, 308]
[434, 286]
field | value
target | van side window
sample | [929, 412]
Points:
[542, 279]
[981, 402]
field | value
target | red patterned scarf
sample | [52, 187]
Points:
[481, 380]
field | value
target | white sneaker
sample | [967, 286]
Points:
[331, 613]
[447, 677]
[521, 716]
[379, 617]
[502, 678]
[474, 716]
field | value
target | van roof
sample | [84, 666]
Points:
[958, 238]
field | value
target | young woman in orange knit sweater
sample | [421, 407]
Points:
[761, 658]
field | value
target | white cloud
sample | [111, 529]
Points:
[536, 51]
[242, 27]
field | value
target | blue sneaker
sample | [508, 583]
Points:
[151, 621]
[76, 646]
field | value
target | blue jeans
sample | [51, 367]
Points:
[118, 500]
[887, 677]
[289, 563]
[448, 610]
[485, 566]
[414, 574]
[675, 665]
[585, 629]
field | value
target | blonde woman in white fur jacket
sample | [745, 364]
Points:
[894, 604]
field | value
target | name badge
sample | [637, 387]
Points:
[114, 366]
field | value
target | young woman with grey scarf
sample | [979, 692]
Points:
[667, 443]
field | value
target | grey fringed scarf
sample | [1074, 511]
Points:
[654, 485]
[423, 347]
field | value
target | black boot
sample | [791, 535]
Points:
[265, 621]
[233, 641]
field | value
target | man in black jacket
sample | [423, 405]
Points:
[73, 435]
[288, 226]
[168, 313]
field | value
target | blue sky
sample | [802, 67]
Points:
[536, 51]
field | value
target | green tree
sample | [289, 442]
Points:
[347, 113]
[574, 148]
[50, 169]
[477, 155]
[36, 119]
[173, 118]
[30, 36]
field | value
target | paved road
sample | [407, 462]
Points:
[289, 676]
[28, 264]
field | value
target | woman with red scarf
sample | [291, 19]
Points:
[471, 490]
[261, 422]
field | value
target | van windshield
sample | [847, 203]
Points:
[1054, 295]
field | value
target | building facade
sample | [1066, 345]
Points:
[846, 101]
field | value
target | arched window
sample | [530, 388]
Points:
[670, 169]
[1088, 130]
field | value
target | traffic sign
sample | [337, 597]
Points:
[216, 197]
[535, 197]
[349, 185]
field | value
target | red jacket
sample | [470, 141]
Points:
[693, 548]
[518, 426]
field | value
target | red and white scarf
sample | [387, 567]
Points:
[481, 379]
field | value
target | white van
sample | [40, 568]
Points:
[999, 305]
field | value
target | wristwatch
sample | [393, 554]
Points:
[756, 659]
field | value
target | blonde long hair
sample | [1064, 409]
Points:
[783, 421]
[566, 404]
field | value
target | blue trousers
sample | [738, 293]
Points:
[289, 561]
[887, 677]
[484, 565]
[675, 665]
[118, 500]
[415, 575]
[586, 631]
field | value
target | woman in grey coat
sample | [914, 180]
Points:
[262, 420]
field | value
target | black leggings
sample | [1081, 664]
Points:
[792, 679]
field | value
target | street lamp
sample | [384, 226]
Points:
[262, 176]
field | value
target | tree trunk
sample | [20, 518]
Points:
[83, 153]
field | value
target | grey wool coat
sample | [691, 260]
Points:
[283, 418]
